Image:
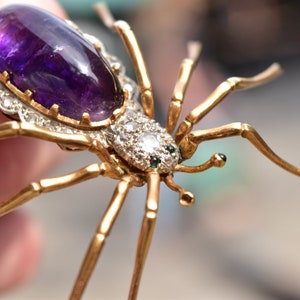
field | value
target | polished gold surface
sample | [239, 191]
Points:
[226, 87]
[133, 49]
[128, 176]
[52, 184]
[146, 232]
[185, 72]
[186, 198]
[14, 128]
[101, 234]
[53, 112]
[235, 129]
[215, 161]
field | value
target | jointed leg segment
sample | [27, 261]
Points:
[51, 184]
[14, 128]
[190, 143]
[186, 69]
[226, 87]
[217, 160]
[131, 44]
[185, 198]
[101, 234]
[146, 232]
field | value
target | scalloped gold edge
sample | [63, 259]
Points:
[53, 112]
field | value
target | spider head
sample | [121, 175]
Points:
[143, 143]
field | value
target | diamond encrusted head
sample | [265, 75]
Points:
[143, 142]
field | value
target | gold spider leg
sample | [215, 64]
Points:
[146, 232]
[217, 160]
[190, 143]
[185, 72]
[185, 198]
[132, 46]
[51, 184]
[101, 234]
[14, 128]
[226, 87]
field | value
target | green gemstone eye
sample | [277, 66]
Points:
[154, 161]
[170, 148]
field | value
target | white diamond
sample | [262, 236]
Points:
[7, 101]
[32, 117]
[9, 104]
[130, 127]
[149, 142]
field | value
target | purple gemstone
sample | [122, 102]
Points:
[47, 56]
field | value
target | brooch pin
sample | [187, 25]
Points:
[60, 85]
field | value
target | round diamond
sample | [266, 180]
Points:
[130, 126]
[8, 103]
[149, 142]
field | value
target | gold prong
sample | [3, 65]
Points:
[85, 119]
[98, 47]
[54, 110]
[25, 96]
[5, 76]
[116, 68]
[28, 95]
[119, 111]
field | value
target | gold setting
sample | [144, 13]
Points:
[117, 167]
[53, 112]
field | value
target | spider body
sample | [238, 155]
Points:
[105, 117]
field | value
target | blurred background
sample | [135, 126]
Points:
[241, 239]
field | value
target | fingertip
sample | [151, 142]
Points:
[20, 249]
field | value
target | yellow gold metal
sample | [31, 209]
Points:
[54, 111]
[23, 196]
[132, 46]
[186, 198]
[102, 232]
[186, 69]
[116, 68]
[26, 97]
[214, 161]
[191, 142]
[13, 128]
[226, 87]
[4, 77]
[146, 232]
[85, 120]
[55, 183]
[119, 167]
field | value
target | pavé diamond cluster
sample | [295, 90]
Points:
[143, 142]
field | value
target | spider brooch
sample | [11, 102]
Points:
[60, 85]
